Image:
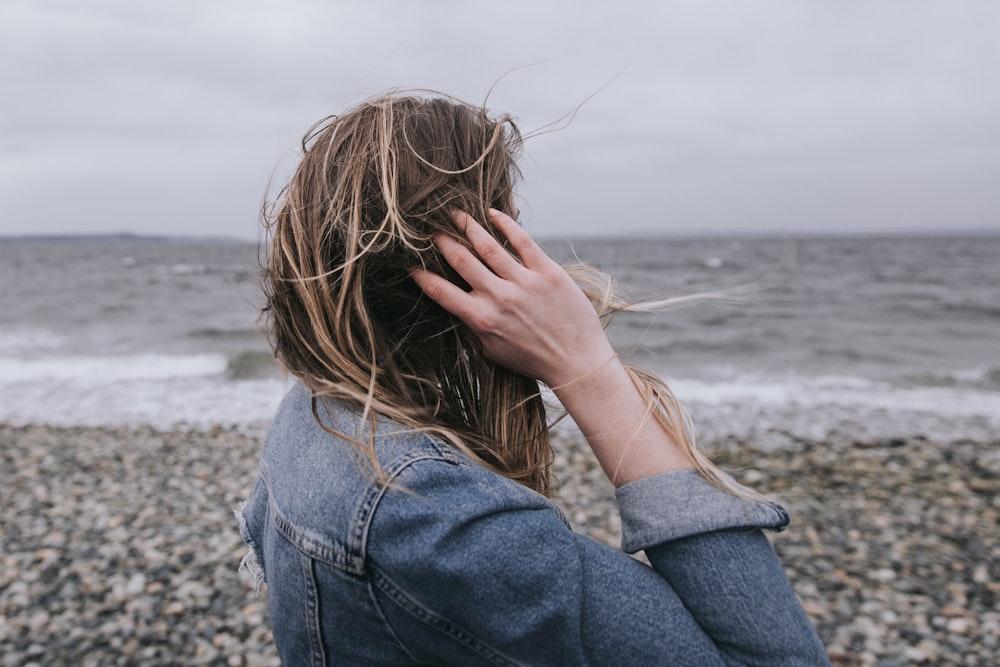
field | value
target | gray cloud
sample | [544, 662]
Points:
[717, 116]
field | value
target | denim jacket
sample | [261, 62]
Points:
[452, 564]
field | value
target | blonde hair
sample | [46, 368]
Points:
[374, 185]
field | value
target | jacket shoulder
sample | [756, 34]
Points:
[322, 486]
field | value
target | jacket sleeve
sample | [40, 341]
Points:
[470, 568]
[707, 544]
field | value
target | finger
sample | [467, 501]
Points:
[526, 248]
[443, 292]
[492, 253]
[465, 262]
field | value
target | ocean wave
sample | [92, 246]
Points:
[769, 410]
[856, 354]
[205, 389]
[219, 333]
[987, 377]
[182, 269]
[111, 368]
[777, 410]
[969, 310]
[24, 340]
[197, 402]
[252, 364]
[813, 393]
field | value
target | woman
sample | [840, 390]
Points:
[400, 516]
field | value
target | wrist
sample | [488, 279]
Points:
[618, 422]
[605, 374]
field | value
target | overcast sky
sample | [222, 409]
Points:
[712, 116]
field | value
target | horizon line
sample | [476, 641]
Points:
[637, 234]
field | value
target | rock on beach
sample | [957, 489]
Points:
[118, 546]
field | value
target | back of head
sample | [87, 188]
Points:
[374, 186]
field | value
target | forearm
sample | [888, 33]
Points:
[613, 416]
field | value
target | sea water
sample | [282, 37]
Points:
[818, 338]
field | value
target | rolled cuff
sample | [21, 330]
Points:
[678, 504]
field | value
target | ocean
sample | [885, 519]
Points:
[849, 337]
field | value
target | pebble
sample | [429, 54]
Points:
[112, 555]
[119, 547]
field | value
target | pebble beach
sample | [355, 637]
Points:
[119, 546]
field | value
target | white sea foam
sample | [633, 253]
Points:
[18, 341]
[773, 410]
[100, 370]
[809, 393]
[158, 389]
[193, 401]
[196, 390]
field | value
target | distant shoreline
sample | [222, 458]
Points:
[638, 235]
[121, 237]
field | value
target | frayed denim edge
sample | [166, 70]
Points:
[250, 561]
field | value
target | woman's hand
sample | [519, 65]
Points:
[531, 317]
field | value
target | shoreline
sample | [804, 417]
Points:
[120, 541]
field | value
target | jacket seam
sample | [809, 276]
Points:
[302, 542]
[313, 612]
[350, 557]
[370, 584]
[373, 495]
[313, 548]
[381, 581]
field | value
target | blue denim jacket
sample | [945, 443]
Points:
[451, 564]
